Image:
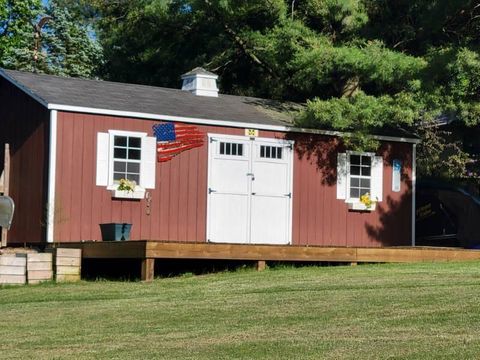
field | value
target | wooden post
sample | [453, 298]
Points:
[148, 269]
[6, 187]
[261, 265]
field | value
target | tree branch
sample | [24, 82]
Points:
[241, 43]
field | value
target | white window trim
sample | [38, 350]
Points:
[349, 199]
[111, 185]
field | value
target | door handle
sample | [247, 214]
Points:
[252, 175]
[210, 190]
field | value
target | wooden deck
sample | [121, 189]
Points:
[148, 251]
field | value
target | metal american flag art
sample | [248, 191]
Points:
[175, 138]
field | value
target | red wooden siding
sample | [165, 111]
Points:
[320, 219]
[179, 201]
[24, 124]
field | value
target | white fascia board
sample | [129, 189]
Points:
[133, 114]
[214, 122]
[23, 88]
[52, 161]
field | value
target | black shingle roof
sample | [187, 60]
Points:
[152, 100]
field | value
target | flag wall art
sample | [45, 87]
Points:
[175, 138]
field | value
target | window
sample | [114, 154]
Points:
[270, 152]
[228, 148]
[358, 174]
[126, 155]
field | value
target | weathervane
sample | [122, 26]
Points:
[37, 28]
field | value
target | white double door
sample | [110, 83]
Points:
[249, 190]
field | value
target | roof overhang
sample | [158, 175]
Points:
[192, 120]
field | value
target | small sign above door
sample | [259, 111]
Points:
[251, 132]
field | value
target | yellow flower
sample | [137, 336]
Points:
[366, 200]
[126, 185]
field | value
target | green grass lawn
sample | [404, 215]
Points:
[420, 311]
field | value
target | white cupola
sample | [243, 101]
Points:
[200, 82]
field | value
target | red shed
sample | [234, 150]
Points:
[208, 167]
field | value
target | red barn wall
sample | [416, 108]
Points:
[25, 126]
[179, 201]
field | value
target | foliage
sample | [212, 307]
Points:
[69, 48]
[66, 45]
[361, 66]
[16, 33]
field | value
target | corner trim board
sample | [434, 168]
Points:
[414, 184]
[52, 164]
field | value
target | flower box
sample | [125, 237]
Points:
[359, 206]
[127, 194]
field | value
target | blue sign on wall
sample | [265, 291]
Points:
[396, 176]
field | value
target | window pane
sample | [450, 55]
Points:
[133, 168]
[267, 152]
[119, 166]
[229, 151]
[364, 191]
[355, 182]
[354, 193]
[222, 148]
[134, 154]
[279, 153]
[234, 149]
[262, 151]
[354, 170]
[366, 160]
[365, 171]
[120, 153]
[365, 183]
[120, 141]
[274, 152]
[355, 159]
[118, 176]
[134, 142]
[240, 149]
[134, 177]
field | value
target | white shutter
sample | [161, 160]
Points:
[103, 148]
[377, 178]
[149, 159]
[341, 176]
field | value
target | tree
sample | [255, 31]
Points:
[67, 46]
[361, 66]
[16, 33]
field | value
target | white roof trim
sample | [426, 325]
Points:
[214, 122]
